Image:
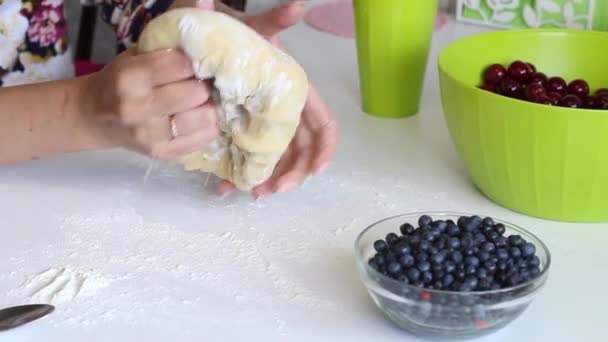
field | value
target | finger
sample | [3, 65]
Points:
[269, 186]
[163, 66]
[225, 188]
[177, 97]
[200, 4]
[319, 118]
[197, 119]
[277, 19]
[186, 144]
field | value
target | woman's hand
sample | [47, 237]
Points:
[150, 103]
[314, 144]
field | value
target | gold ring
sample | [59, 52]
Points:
[174, 133]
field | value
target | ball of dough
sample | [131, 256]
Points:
[259, 91]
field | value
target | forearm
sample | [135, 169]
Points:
[42, 120]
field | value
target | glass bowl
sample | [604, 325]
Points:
[444, 313]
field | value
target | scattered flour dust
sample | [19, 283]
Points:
[58, 285]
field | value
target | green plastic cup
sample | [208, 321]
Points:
[393, 39]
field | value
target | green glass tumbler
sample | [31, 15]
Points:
[393, 39]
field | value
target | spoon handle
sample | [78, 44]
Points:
[18, 315]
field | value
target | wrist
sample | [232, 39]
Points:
[89, 131]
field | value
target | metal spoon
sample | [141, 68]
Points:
[18, 315]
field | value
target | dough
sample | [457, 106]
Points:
[260, 91]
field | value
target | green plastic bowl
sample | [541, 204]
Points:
[544, 161]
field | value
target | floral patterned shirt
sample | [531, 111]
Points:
[34, 44]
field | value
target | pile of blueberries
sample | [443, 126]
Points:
[472, 254]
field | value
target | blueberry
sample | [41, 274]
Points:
[466, 242]
[491, 236]
[473, 223]
[534, 261]
[394, 267]
[449, 266]
[470, 270]
[460, 275]
[488, 221]
[524, 274]
[502, 254]
[403, 278]
[452, 229]
[440, 243]
[440, 225]
[428, 236]
[424, 245]
[456, 257]
[470, 252]
[513, 279]
[412, 274]
[488, 247]
[501, 265]
[522, 263]
[426, 277]
[484, 284]
[483, 256]
[407, 260]
[448, 279]
[414, 239]
[482, 273]
[372, 263]
[438, 274]
[422, 256]
[424, 220]
[392, 238]
[390, 256]
[479, 239]
[401, 248]
[500, 242]
[527, 249]
[454, 242]
[433, 250]
[379, 245]
[514, 252]
[471, 282]
[406, 229]
[379, 258]
[423, 266]
[438, 258]
[490, 266]
[499, 228]
[515, 240]
[462, 222]
[471, 261]
[418, 283]
[438, 284]
[534, 270]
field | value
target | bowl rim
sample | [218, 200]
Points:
[380, 289]
[443, 70]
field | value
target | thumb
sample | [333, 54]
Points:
[277, 19]
[205, 5]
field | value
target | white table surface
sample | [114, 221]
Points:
[169, 260]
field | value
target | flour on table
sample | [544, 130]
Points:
[62, 284]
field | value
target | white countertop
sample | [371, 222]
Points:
[169, 260]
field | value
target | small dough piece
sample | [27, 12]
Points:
[260, 91]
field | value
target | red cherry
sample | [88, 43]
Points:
[589, 102]
[557, 84]
[547, 100]
[601, 101]
[509, 87]
[534, 91]
[488, 87]
[494, 73]
[579, 88]
[532, 67]
[571, 101]
[520, 71]
[538, 77]
[601, 91]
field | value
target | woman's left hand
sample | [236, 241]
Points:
[314, 144]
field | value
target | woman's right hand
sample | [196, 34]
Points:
[150, 103]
